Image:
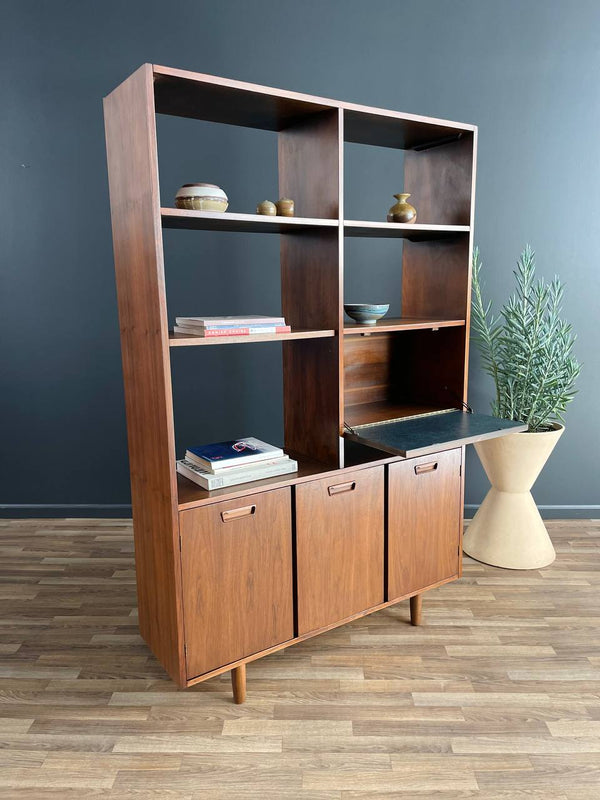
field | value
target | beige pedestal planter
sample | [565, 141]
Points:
[507, 530]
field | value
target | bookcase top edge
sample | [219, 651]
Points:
[314, 100]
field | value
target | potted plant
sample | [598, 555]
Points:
[528, 351]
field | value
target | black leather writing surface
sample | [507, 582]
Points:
[427, 434]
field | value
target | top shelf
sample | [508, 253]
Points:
[199, 96]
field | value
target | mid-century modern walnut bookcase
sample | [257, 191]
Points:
[374, 515]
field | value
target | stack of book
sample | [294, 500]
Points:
[214, 466]
[250, 325]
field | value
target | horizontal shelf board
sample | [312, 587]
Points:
[183, 340]
[383, 411]
[401, 324]
[242, 223]
[191, 495]
[208, 97]
[401, 230]
[364, 125]
[429, 434]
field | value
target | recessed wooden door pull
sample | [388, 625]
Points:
[429, 467]
[338, 488]
[236, 513]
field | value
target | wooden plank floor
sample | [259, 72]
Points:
[497, 697]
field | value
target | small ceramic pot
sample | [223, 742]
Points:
[285, 207]
[366, 313]
[267, 208]
[201, 197]
[402, 211]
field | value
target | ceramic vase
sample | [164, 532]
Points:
[267, 208]
[507, 530]
[402, 211]
[285, 207]
[201, 197]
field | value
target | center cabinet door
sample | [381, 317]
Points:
[236, 559]
[340, 547]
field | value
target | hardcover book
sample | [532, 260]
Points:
[236, 452]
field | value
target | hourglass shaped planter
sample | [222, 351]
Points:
[507, 530]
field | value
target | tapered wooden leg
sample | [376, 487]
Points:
[238, 684]
[416, 605]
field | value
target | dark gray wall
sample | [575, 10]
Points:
[526, 72]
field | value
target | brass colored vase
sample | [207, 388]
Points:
[402, 211]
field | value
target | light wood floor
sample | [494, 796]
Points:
[496, 697]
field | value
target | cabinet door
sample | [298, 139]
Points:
[424, 500]
[339, 540]
[237, 578]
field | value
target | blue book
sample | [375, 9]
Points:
[221, 455]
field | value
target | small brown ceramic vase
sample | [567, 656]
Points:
[402, 211]
[285, 207]
[267, 208]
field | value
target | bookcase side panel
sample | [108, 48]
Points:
[137, 240]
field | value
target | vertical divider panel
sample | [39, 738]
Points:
[310, 173]
[436, 275]
[137, 237]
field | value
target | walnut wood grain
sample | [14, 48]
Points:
[410, 368]
[440, 182]
[237, 579]
[339, 547]
[424, 499]
[135, 211]
[310, 173]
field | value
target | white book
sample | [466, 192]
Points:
[209, 481]
[242, 322]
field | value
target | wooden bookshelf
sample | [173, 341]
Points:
[227, 576]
